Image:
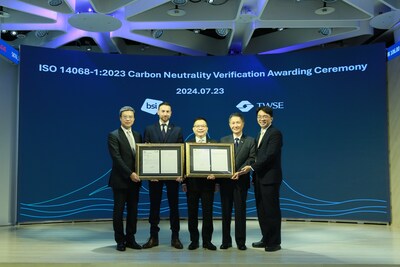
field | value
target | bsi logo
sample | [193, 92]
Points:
[151, 106]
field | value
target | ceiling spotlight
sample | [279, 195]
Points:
[156, 33]
[21, 35]
[210, 1]
[14, 33]
[196, 31]
[41, 34]
[179, 2]
[325, 31]
[3, 31]
[222, 32]
[55, 2]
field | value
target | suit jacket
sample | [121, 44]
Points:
[200, 183]
[267, 166]
[123, 159]
[152, 134]
[245, 154]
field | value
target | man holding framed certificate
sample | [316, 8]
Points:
[163, 131]
[200, 188]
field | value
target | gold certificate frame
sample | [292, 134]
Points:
[159, 161]
[211, 158]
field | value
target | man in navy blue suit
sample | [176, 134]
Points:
[234, 191]
[267, 177]
[164, 131]
[124, 181]
[200, 189]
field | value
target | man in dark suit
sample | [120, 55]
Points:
[267, 174]
[163, 131]
[234, 191]
[200, 189]
[124, 182]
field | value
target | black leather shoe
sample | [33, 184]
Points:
[273, 248]
[241, 247]
[194, 245]
[225, 246]
[176, 243]
[152, 242]
[210, 246]
[133, 245]
[259, 244]
[121, 247]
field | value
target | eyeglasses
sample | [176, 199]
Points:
[263, 116]
[127, 117]
[201, 125]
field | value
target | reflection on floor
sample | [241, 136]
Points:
[303, 244]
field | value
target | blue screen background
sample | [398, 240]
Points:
[334, 125]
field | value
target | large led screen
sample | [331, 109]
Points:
[331, 106]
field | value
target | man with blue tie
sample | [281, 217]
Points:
[163, 131]
[124, 181]
[267, 177]
[234, 191]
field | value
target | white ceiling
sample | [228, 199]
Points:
[255, 26]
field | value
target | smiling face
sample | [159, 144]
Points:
[263, 119]
[200, 128]
[236, 124]
[127, 119]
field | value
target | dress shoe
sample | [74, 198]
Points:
[241, 247]
[176, 243]
[133, 245]
[259, 244]
[273, 248]
[194, 245]
[152, 242]
[225, 246]
[210, 246]
[121, 247]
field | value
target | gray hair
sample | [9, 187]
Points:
[126, 108]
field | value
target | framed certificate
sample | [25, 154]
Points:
[211, 158]
[159, 161]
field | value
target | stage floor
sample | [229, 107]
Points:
[303, 244]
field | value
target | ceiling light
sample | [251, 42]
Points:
[55, 2]
[3, 31]
[324, 10]
[41, 34]
[325, 31]
[176, 12]
[14, 33]
[179, 2]
[156, 33]
[222, 32]
[21, 35]
[196, 31]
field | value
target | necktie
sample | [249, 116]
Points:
[163, 130]
[236, 142]
[131, 141]
[261, 137]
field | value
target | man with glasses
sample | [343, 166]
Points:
[200, 189]
[267, 178]
[124, 181]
